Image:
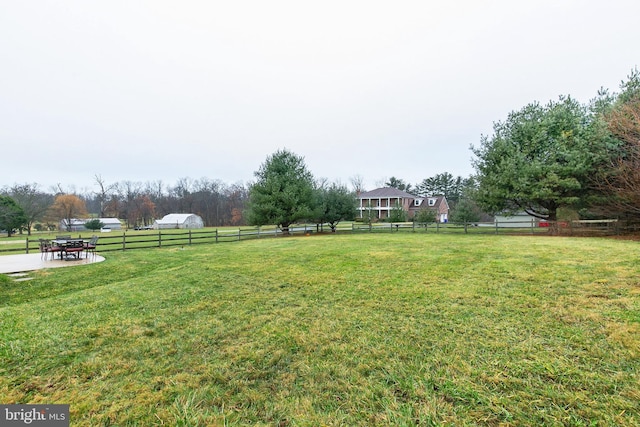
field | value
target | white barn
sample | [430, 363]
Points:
[179, 221]
[78, 224]
[111, 223]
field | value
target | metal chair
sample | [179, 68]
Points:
[52, 249]
[91, 245]
[74, 248]
[44, 248]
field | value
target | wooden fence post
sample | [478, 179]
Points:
[189, 237]
[216, 235]
[124, 241]
[159, 238]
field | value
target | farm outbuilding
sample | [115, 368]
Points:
[111, 223]
[179, 221]
[516, 220]
[78, 224]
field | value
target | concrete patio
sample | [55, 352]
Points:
[35, 261]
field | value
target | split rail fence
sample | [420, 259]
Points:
[114, 241]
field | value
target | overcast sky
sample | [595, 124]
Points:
[162, 90]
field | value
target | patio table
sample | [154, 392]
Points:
[70, 248]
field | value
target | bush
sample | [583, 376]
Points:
[94, 224]
[425, 216]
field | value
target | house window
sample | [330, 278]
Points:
[417, 202]
[432, 202]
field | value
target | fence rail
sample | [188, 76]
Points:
[165, 238]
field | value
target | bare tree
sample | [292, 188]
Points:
[141, 211]
[33, 202]
[130, 192]
[623, 180]
[357, 183]
[68, 207]
[102, 195]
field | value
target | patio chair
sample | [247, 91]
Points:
[44, 248]
[90, 246]
[52, 249]
[74, 248]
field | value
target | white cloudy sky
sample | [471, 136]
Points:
[162, 90]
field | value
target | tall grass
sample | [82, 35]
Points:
[334, 330]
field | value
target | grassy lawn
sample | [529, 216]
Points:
[363, 329]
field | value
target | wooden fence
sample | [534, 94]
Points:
[114, 241]
[565, 228]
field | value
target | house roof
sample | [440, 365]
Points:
[385, 192]
[390, 192]
[79, 221]
[73, 221]
[109, 221]
[439, 200]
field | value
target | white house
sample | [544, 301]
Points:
[179, 221]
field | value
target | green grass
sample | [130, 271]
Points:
[364, 329]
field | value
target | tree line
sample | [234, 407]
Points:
[26, 207]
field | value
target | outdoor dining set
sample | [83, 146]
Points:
[68, 248]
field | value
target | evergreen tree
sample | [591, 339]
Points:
[12, 216]
[93, 224]
[336, 203]
[283, 193]
[537, 161]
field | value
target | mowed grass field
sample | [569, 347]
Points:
[352, 330]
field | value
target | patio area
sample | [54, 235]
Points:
[35, 261]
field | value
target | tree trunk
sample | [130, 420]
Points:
[553, 221]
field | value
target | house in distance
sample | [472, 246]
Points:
[382, 201]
